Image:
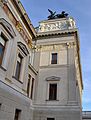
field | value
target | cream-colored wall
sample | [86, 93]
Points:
[10, 59]
[45, 57]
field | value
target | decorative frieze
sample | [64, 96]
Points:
[64, 24]
[51, 47]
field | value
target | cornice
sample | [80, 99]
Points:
[56, 33]
[20, 9]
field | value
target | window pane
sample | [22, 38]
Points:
[18, 67]
[52, 91]
[2, 47]
[28, 84]
[2, 41]
[32, 88]
[54, 58]
[50, 119]
[17, 114]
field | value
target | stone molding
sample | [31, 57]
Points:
[8, 27]
[53, 78]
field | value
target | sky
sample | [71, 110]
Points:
[80, 10]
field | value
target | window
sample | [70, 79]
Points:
[2, 47]
[17, 114]
[52, 91]
[50, 119]
[32, 88]
[0, 106]
[18, 66]
[54, 58]
[28, 85]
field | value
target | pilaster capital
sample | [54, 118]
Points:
[71, 44]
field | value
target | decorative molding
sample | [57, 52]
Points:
[71, 44]
[23, 48]
[58, 24]
[8, 27]
[51, 47]
[17, 24]
[53, 78]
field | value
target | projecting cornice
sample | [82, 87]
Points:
[57, 32]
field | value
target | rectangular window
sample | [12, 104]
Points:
[28, 85]
[18, 66]
[0, 106]
[50, 119]
[32, 88]
[52, 91]
[17, 114]
[2, 47]
[54, 58]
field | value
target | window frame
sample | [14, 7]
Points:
[17, 114]
[8, 32]
[19, 56]
[3, 34]
[29, 85]
[52, 90]
[20, 50]
[50, 118]
[52, 80]
[53, 61]
[5, 40]
[32, 88]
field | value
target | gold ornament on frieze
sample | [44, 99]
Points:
[19, 26]
[29, 44]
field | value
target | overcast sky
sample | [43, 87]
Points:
[80, 10]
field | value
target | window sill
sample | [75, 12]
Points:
[17, 79]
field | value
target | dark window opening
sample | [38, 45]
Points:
[54, 58]
[28, 85]
[2, 47]
[52, 91]
[50, 119]
[32, 88]
[18, 66]
[17, 114]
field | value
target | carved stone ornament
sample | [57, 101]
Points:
[60, 24]
[53, 78]
[19, 26]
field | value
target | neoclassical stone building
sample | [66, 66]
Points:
[40, 70]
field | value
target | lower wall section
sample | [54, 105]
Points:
[10, 100]
[57, 114]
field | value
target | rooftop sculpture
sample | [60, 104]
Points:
[53, 15]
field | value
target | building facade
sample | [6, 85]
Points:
[17, 76]
[59, 89]
[40, 70]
